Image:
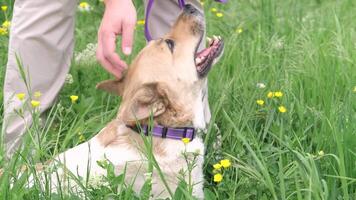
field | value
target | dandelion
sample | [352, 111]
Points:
[260, 102]
[270, 94]
[260, 85]
[217, 166]
[74, 98]
[239, 30]
[37, 94]
[21, 96]
[321, 153]
[219, 14]
[218, 178]
[35, 104]
[6, 24]
[225, 163]
[185, 140]
[141, 22]
[354, 90]
[278, 94]
[3, 31]
[214, 10]
[282, 109]
[4, 8]
[84, 7]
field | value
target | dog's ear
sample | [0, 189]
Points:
[149, 100]
[112, 86]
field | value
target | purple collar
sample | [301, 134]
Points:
[148, 10]
[166, 132]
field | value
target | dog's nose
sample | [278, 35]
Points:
[188, 8]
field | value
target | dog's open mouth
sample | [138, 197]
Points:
[206, 58]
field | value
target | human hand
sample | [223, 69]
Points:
[119, 19]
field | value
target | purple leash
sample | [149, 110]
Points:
[148, 11]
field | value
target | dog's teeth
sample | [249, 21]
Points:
[198, 60]
[219, 37]
[215, 37]
[208, 39]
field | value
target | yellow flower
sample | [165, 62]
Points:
[270, 94]
[21, 96]
[218, 178]
[3, 31]
[219, 14]
[84, 6]
[35, 103]
[141, 22]
[4, 8]
[217, 166]
[225, 163]
[6, 24]
[37, 94]
[185, 140]
[260, 102]
[282, 109]
[214, 10]
[74, 98]
[239, 30]
[278, 94]
[321, 153]
[354, 89]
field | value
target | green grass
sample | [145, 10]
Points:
[306, 49]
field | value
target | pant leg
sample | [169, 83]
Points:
[42, 37]
[162, 16]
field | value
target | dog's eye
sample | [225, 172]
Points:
[170, 44]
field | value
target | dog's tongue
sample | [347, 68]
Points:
[204, 52]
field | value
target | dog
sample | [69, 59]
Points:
[163, 86]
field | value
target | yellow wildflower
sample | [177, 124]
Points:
[214, 10]
[3, 31]
[321, 153]
[185, 140]
[141, 22]
[84, 7]
[354, 89]
[270, 94]
[37, 94]
[278, 94]
[6, 24]
[74, 98]
[21, 96]
[218, 178]
[260, 102]
[239, 30]
[225, 163]
[217, 166]
[219, 14]
[35, 103]
[282, 109]
[4, 8]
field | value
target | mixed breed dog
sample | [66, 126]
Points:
[164, 86]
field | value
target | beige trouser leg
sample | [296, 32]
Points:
[162, 16]
[42, 37]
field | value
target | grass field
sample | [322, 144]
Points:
[305, 49]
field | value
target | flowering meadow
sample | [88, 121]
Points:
[283, 100]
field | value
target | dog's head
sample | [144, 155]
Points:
[167, 77]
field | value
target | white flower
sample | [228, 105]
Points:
[69, 79]
[260, 85]
[87, 56]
